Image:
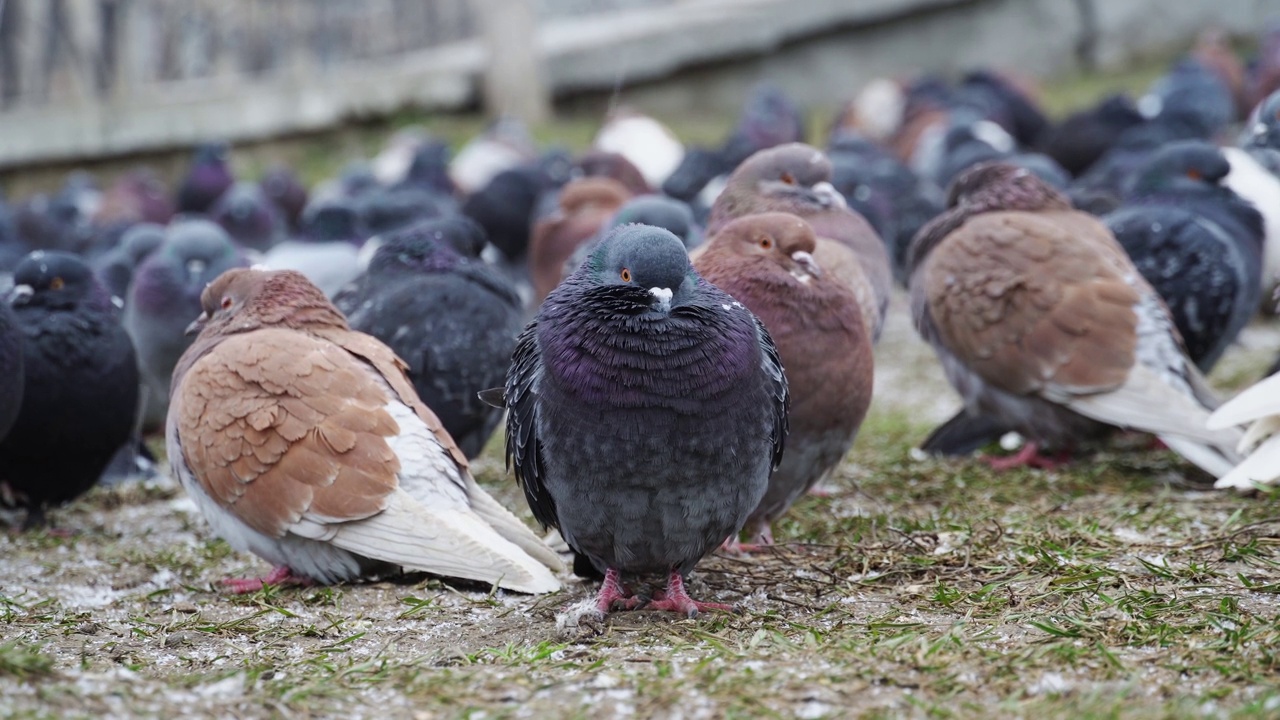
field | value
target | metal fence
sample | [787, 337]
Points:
[67, 52]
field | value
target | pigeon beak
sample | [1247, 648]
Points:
[828, 193]
[807, 263]
[196, 325]
[663, 297]
[195, 266]
[20, 295]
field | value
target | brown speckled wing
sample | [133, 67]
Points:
[1029, 300]
[394, 370]
[277, 425]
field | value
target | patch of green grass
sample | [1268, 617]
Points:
[24, 661]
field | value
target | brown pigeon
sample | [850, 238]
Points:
[586, 205]
[767, 261]
[1041, 321]
[303, 442]
[795, 178]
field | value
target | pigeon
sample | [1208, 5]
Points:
[586, 205]
[867, 174]
[769, 118]
[80, 385]
[389, 209]
[504, 207]
[697, 168]
[249, 217]
[302, 441]
[11, 373]
[329, 265]
[138, 196]
[1258, 407]
[503, 145]
[657, 210]
[1197, 243]
[115, 267]
[1253, 182]
[615, 166]
[1041, 321]
[450, 317]
[1193, 93]
[646, 409]
[648, 144]
[286, 192]
[165, 295]
[767, 261]
[206, 180]
[796, 178]
[1081, 138]
[1013, 106]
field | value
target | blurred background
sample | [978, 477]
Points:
[94, 83]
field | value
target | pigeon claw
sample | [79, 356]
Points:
[1028, 456]
[676, 599]
[279, 576]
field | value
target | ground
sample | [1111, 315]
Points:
[1118, 587]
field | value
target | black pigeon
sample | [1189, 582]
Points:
[10, 369]
[1081, 138]
[249, 216]
[448, 315]
[206, 180]
[80, 389]
[646, 411]
[1194, 94]
[1197, 243]
[698, 167]
[859, 163]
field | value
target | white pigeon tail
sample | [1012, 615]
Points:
[1260, 407]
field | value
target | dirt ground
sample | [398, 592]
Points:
[1118, 587]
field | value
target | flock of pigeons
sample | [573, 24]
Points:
[680, 339]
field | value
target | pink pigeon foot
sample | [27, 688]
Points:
[613, 595]
[676, 599]
[279, 576]
[1028, 456]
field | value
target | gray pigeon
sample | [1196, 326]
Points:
[647, 409]
[165, 297]
[115, 267]
[452, 318]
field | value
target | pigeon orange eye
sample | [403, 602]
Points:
[766, 243]
[1193, 174]
[625, 275]
[788, 178]
[226, 303]
[57, 284]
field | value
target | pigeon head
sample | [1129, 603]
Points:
[331, 219]
[642, 266]
[659, 211]
[794, 172]
[1263, 128]
[597, 163]
[284, 189]
[781, 239]
[243, 299]
[425, 247]
[55, 280]
[141, 240]
[1183, 166]
[589, 193]
[193, 253]
[994, 186]
[249, 216]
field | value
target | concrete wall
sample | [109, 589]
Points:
[679, 57]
